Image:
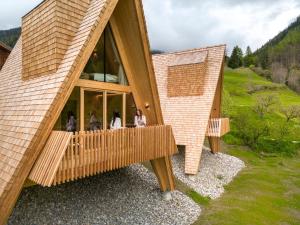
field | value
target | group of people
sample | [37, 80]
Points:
[116, 121]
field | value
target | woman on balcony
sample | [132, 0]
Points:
[139, 119]
[71, 122]
[116, 122]
[94, 122]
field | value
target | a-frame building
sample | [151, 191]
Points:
[77, 59]
[190, 89]
[4, 53]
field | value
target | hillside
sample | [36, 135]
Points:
[244, 90]
[281, 55]
[10, 37]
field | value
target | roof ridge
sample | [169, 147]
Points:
[190, 50]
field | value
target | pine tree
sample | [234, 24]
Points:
[249, 58]
[236, 58]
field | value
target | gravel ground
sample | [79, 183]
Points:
[127, 196]
[216, 170]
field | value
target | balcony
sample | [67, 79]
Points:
[68, 157]
[218, 127]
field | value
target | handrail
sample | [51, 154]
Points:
[217, 127]
[93, 152]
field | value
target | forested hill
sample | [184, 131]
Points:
[11, 36]
[281, 55]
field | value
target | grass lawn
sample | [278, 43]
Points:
[267, 191]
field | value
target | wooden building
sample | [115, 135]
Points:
[190, 89]
[77, 60]
[4, 53]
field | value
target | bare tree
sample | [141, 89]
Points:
[291, 112]
[265, 104]
[279, 72]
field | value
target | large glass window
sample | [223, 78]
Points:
[95, 115]
[105, 64]
[93, 110]
[69, 117]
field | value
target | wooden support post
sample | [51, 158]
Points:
[124, 110]
[162, 168]
[215, 144]
[104, 110]
[81, 109]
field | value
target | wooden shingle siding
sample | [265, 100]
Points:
[29, 108]
[189, 115]
[47, 32]
[31, 105]
[186, 80]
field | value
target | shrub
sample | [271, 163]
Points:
[281, 147]
[264, 73]
[265, 104]
[250, 129]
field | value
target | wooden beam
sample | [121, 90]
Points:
[215, 142]
[104, 110]
[81, 109]
[124, 110]
[102, 86]
[162, 168]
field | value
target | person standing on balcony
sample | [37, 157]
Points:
[71, 122]
[116, 122]
[94, 123]
[139, 119]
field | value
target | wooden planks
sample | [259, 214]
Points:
[69, 157]
[218, 127]
[48, 162]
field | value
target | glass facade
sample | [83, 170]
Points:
[72, 108]
[105, 64]
[93, 117]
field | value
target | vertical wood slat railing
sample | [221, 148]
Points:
[90, 153]
[218, 127]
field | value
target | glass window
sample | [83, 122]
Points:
[114, 105]
[71, 109]
[105, 64]
[93, 110]
[130, 110]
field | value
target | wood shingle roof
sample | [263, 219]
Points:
[188, 107]
[29, 108]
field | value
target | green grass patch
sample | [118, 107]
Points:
[266, 192]
[199, 199]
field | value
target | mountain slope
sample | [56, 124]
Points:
[10, 37]
[281, 55]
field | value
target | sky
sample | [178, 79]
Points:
[182, 24]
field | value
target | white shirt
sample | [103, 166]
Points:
[140, 121]
[116, 125]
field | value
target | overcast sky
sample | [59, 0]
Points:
[181, 24]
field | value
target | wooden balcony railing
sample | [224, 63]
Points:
[218, 127]
[90, 153]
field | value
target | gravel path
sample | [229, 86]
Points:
[216, 170]
[128, 196]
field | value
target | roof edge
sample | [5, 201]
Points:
[189, 50]
[8, 48]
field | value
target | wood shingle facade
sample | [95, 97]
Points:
[46, 71]
[190, 90]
